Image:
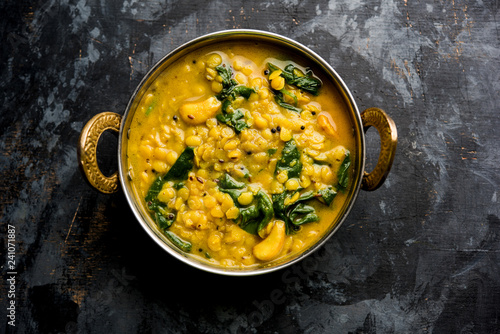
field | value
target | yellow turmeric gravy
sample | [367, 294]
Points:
[180, 110]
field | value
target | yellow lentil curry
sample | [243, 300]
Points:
[241, 154]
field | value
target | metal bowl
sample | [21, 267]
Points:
[361, 122]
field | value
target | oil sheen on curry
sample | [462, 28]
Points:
[241, 154]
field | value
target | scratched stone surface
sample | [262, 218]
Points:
[419, 255]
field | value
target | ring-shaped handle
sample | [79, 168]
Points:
[87, 151]
[388, 141]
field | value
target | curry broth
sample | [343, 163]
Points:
[180, 110]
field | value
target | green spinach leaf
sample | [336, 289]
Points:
[242, 91]
[265, 206]
[294, 76]
[327, 195]
[279, 205]
[231, 88]
[155, 189]
[161, 214]
[228, 83]
[343, 173]
[308, 218]
[278, 97]
[305, 196]
[230, 91]
[296, 213]
[290, 160]
[182, 166]
[235, 120]
[183, 245]
[253, 217]
[300, 211]
[249, 219]
[227, 182]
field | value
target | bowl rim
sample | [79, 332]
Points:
[286, 43]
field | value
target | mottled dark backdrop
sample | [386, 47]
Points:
[419, 255]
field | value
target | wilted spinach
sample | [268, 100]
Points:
[327, 195]
[279, 98]
[236, 120]
[265, 206]
[178, 172]
[183, 245]
[253, 217]
[228, 182]
[290, 160]
[182, 166]
[230, 91]
[249, 219]
[296, 213]
[293, 207]
[162, 215]
[242, 91]
[302, 214]
[343, 173]
[228, 83]
[294, 76]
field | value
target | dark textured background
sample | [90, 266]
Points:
[419, 255]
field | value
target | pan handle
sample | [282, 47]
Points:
[87, 151]
[388, 141]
